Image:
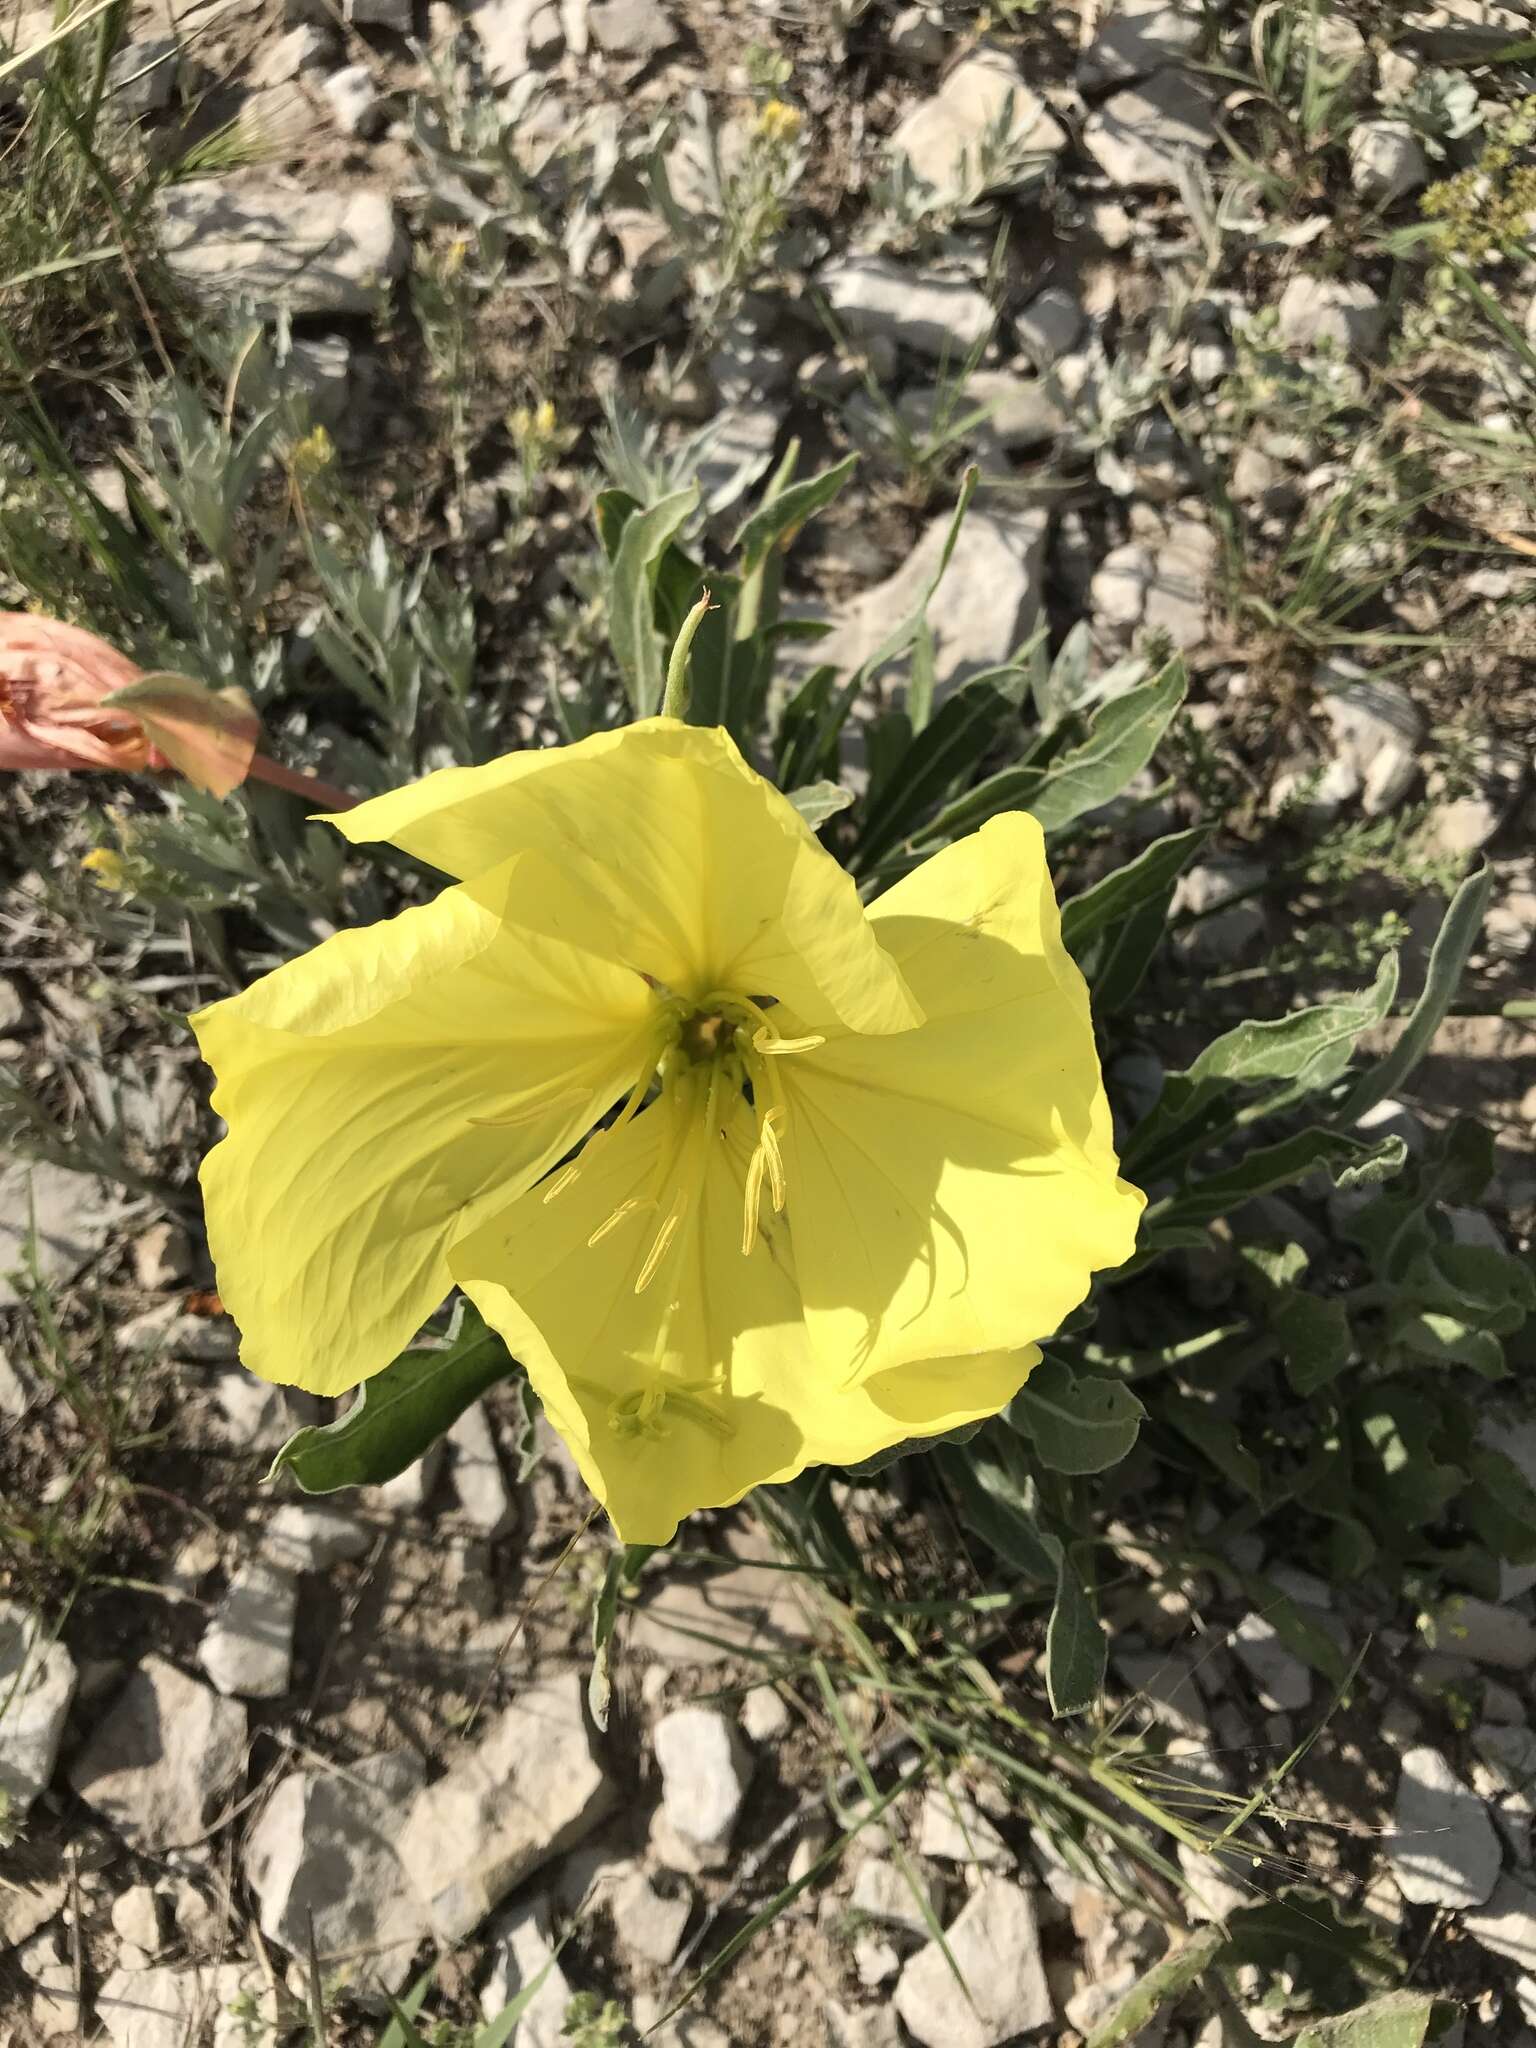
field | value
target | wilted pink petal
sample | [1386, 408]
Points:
[209, 735]
[53, 679]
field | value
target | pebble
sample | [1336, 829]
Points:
[630, 28]
[995, 1945]
[162, 1257]
[357, 106]
[1164, 1681]
[37, 1683]
[247, 1649]
[167, 1750]
[61, 1217]
[882, 1893]
[650, 1913]
[1466, 821]
[864, 2026]
[953, 1828]
[302, 1537]
[1146, 135]
[516, 35]
[324, 1853]
[531, 1788]
[1049, 326]
[1135, 37]
[938, 317]
[1506, 1925]
[258, 238]
[1486, 1633]
[143, 76]
[55, 2007]
[1176, 593]
[1224, 935]
[1386, 161]
[522, 1954]
[136, 1917]
[875, 1960]
[1282, 1681]
[764, 1715]
[706, 1769]
[986, 604]
[1343, 311]
[1444, 1851]
[1376, 730]
[478, 1481]
[1216, 1886]
[951, 141]
[305, 48]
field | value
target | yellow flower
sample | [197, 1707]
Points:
[316, 451]
[106, 868]
[863, 1159]
[777, 122]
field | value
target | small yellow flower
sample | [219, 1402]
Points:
[315, 452]
[862, 1160]
[779, 123]
[106, 868]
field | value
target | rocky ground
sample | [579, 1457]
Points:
[264, 1758]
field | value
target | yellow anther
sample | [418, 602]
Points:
[561, 1181]
[658, 1250]
[771, 1047]
[612, 1222]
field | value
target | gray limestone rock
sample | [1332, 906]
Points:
[331, 251]
[995, 1945]
[1146, 134]
[37, 1683]
[165, 1752]
[1444, 1851]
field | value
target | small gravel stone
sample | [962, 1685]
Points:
[324, 1854]
[865, 2026]
[650, 1913]
[305, 48]
[1136, 37]
[305, 1538]
[64, 1215]
[1444, 1851]
[1222, 934]
[705, 1771]
[37, 1683]
[357, 107]
[136, 1917]
[882, 1893]
[1283, 1682]
[523, 1953]
[1465, 1627]
[247, 1649]
[875, 1960]
[764, 1715]
[1315, 310]
[142, 77]
[1506, 1925]
[953, 1828]
[478, 1480]
[162, 1257]
[1049, 326]
[331, 251]
[1177, 592]
[939, 317]
[984, 130]
[165, 1752]
[55, 2003]
[531, 1788]
[1164, 1681]
[1376, 730]
[1386, 161]
[995, 1945]
[1145, 135]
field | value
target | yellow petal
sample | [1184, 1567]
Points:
[709, 877]
[386, 1088]
[953, 1190]
[719, 1333]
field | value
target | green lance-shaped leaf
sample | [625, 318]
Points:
[1121, 894]
[1311, 1046]
[1351, 1163]
[1314, 1338]
[783, 516]
[818, 801]
[400, 1412]
[1447, 962]
[930, 763]
[642, 542]
[1159, 1986]
[1075, 1646]
[1124, 736]
[1076, 1424]
[993, 1507]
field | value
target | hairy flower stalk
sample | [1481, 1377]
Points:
[749, 1177]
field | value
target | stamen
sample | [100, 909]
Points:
[626, 1208]
[534, 1108]
[771, 1047]
[658, 1250]
[563, 1179]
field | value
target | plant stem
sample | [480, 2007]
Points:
[265, 769]
[675, 703]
